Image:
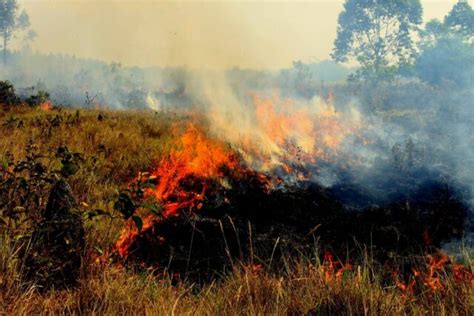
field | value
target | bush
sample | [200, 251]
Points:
[8, 96]
[39, 98]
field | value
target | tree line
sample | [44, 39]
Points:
[380, 35]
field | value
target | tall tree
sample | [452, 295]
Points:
[377, 33]
[447, 50]
[461, 19]
[11, 20]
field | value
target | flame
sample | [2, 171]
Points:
[300, 135]
[333, 270]
[433, 277]
[46, 106]
[198, 156]
[285, 136]
[194, 155]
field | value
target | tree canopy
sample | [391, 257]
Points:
[11, 20]
[377, 33]
[461, 18]
[447, 52]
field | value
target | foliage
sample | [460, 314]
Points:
[25, 183]
[133, 199]
[447, 52]
[8, 96]
[449, 61]
[11, 20]
[377, 34]
[461, 19]
[39, 98]
[458, 23]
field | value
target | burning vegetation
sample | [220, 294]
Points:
[205, 207]
[194, 191]
[210, 203]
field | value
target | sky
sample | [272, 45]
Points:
[216, 35]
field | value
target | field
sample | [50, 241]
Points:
[113, 147]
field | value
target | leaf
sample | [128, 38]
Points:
[124, 205]
[138, 221]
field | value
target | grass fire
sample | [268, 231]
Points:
[219, 180]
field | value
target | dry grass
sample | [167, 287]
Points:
[303, 289]
[114, 150]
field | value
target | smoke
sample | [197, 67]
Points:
[300, 124]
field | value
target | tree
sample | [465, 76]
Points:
[447, 51]
[449, 61]
[461, 19]
[10, 21]
[377, 33]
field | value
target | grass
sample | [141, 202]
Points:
[115, 146]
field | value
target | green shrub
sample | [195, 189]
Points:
[8, 96]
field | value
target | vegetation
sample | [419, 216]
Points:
[377, 34]
[11, 21]
[100, 152]
[447, 52]
[461, 18]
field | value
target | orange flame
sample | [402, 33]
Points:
[333, 270]
[195, 155]
[46, 106]
[300, 134]
[286, 137]
[433, 277]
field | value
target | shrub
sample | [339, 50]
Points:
[8, 96]
[39, 98]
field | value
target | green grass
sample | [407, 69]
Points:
[114, 150]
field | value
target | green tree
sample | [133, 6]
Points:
[377, 33]
[11, 20]
[447, 51]
[461, 19]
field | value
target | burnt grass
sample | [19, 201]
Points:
[250, 223]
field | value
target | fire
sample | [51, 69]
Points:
[301, 135]
[333, 270]
[433, 277]
[285, 138]
[195, 155]
[46, 106]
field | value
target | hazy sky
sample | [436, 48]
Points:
[259, 34]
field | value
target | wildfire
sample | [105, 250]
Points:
[433, 277]
[46, 106]
[284, 139]
[301, 135]
[194, 156]
[332, 269]
[197, 156]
